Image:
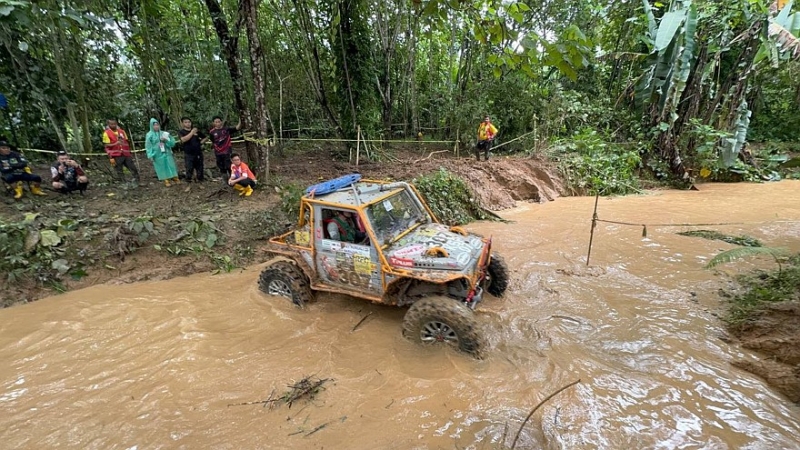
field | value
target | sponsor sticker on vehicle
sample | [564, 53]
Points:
[401, 262]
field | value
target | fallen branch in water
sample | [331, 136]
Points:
[316, 429]
[305, 387]
[361, 321]
[524, 422]
[269, 400]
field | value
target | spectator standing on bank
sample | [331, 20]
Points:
[158, 144]
[118, 148]
[192, 150]
[486, 134]
[221, 138]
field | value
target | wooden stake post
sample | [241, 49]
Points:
[358, 143]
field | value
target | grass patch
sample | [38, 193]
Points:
[763, 288]
[743, 240]
[450, 198]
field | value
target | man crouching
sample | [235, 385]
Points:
[67, 175]
[14, 169]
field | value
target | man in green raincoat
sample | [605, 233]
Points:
[159, 150]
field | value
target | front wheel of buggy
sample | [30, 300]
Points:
[444, 321]
[498, 276]
[284, 279]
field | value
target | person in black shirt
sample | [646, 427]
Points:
[15, 170]
[221, 138]
[192, 139]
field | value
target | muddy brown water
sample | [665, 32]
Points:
[156, 364]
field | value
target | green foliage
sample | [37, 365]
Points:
[670, 59]
[290, 199]
[449, 197]
[143, 227]
[745, 241]
[201, 230]
[590, 164]
[36, 250]
[745, 252]
[763, 288]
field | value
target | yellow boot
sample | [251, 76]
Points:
[36, 189]
[240, 188]
[248, 192]
[18, 190]
[167, 183]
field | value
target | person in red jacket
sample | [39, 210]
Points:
[118, 149]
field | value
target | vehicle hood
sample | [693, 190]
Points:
[412, 251]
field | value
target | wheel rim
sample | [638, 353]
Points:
[436, 331]
[279, 288]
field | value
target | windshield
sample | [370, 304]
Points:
[394, 215]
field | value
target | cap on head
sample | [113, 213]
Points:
[62, 153]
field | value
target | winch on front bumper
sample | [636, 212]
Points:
[481, 277]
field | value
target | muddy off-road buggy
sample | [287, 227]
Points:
[401, 256]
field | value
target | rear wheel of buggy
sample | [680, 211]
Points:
[284, 279]
[444, 321]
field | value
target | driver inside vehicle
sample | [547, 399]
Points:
[343, 226]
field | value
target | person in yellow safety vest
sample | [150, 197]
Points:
[117, 145]
[15, 170]
[486, 134]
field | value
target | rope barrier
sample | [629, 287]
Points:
[693, 224]
[245, 137]
[53, 152]
[596, 219]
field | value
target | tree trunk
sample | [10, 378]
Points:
[263, 119]
[59, 50]
[229, 42]
[310, 54]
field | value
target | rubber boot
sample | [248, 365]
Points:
[167, 183]
[240, 188]
[36, 189]
[18, 190]
[248, 192]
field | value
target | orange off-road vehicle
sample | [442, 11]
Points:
[400, 255]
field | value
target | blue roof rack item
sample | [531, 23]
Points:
[326, 187]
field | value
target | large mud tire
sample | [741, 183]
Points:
[498, 276]
[442, 320]
[285, 279]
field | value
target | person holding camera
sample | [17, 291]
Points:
[67, 175]
[192, 138]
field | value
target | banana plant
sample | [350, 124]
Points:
[778, 44]
[669, 64]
